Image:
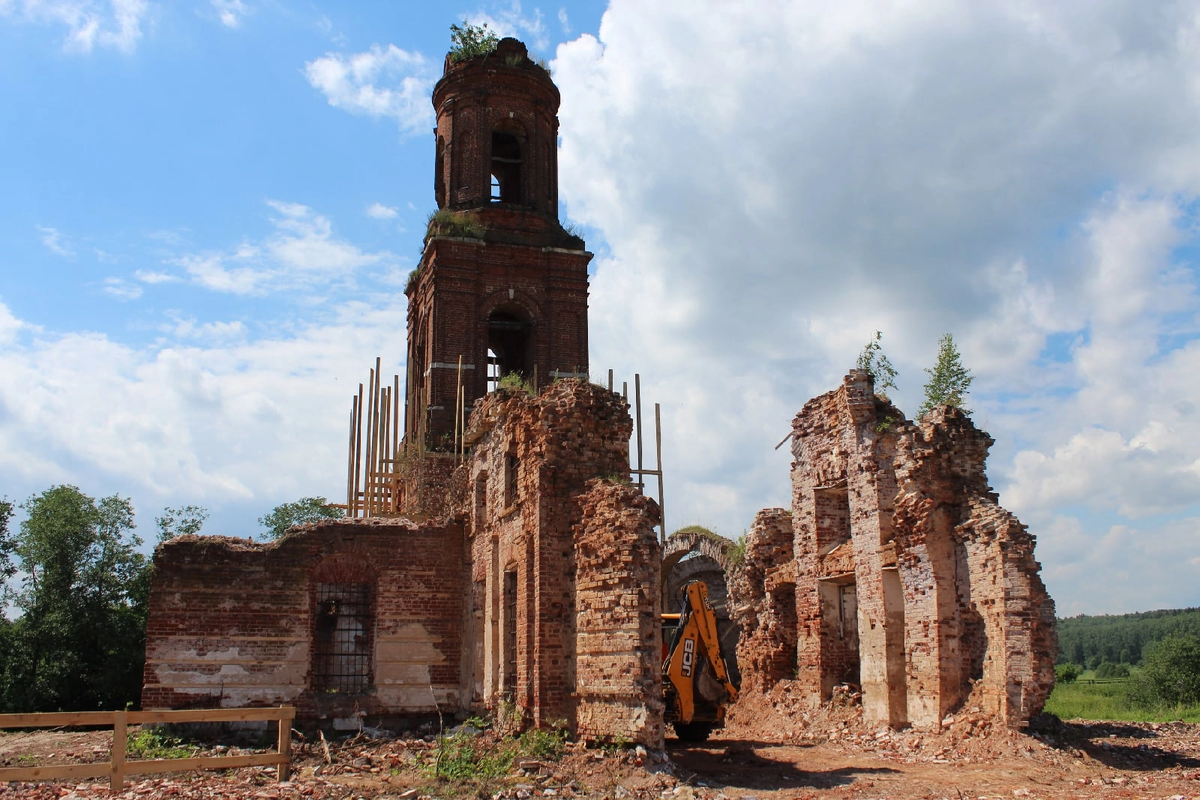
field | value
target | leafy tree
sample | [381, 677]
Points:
[948, 380]
[180, 521]
[468, 41]
[287, 515]
[1066, 673]
[7, 549]
[79, 641]
[873, 360]
[1170, 674]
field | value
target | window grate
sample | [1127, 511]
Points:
[342, 641]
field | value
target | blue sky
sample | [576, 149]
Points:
[209, 209]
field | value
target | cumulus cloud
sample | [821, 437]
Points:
[302, 252]
[773, 184]
[89, 23]
[207, 413]
[381, 82]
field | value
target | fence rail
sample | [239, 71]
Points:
[117, 767]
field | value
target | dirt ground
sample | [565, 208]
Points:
[828, 755]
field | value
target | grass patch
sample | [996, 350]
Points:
[479, 758]
[1109, 701]
[460, 224]
[147, 743]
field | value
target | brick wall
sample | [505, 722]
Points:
[231, 622]
[951, 611]
[531, 463]
[618, 627]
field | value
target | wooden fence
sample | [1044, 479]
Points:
[118, 767]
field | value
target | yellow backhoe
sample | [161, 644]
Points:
[696, 684]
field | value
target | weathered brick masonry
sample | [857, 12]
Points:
[900, 572]
[533, 574]
[533, 459]
[234, 623]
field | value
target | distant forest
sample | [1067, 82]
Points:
[1120, 639]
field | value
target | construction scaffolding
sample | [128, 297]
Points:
[380, 456]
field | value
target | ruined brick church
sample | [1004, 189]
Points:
[521, 566]
[525, 572]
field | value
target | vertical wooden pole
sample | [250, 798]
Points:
[358, 437]
[395, 472]
[662, 514]
[637, 399]
[285, 749]
[350, 459]
[610, 379]
[457, 399]
[116, 780]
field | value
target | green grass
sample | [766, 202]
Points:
[150, 744]
[1107, 701]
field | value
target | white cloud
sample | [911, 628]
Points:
[775, 183]
[154, 277]
[9, 325]
[90, 23]
[380, 211]
[230, 12]
[56, 243]
[512, 21]
[302, 252]
[122, 289]
[564, 21]
[381, 82]
[206, 416]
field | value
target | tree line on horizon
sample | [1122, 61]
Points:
[73, 575]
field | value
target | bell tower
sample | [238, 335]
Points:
[500, 283]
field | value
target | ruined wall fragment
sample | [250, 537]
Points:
[759, 602]
[910, 580]
[531, 464]
[618, 654]
[232, 622]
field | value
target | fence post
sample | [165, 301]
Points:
[285, 746]
[117, 779]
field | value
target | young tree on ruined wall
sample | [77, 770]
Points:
[79, 639]
[949, 380]
[875, 361]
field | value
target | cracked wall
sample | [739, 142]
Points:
[539, 555]
[908, 578]
[235, 623]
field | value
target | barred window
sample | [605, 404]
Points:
[342, 638]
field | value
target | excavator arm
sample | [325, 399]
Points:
[693, 656]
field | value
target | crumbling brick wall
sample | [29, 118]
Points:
[531, 463]
[232, 622]
[910, 579]
[618, 629]
[766, 650]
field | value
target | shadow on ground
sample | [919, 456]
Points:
[748, 765]
[1095, 739]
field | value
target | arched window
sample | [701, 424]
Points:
[506, 166]
[509, 335]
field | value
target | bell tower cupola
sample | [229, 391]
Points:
[501, 285]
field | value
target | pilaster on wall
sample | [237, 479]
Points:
[618, 622]
[898, 516]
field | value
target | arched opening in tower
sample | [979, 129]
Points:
[506, 167]
[509, 335]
